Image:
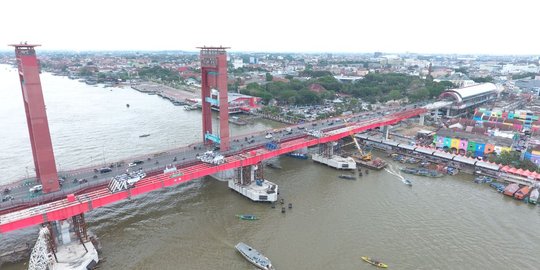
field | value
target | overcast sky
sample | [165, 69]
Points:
[450, 26]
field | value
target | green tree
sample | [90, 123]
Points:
[394, 95]
[269, 77]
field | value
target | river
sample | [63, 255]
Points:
[444, 223]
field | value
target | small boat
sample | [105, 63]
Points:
[254, 257]
[498, 186]
[347, 176]
[273, 166]
[247, 217]
[406, 182]
[144, 135]
[297, 155]
[533, 197]
[483, 179]
[374, 262]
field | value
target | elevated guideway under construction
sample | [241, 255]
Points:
[64, 208]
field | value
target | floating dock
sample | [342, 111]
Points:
[335, 161]
[258, 191]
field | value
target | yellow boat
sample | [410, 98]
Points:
[374, 262]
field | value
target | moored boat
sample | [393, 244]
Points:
[374, 262]
[511, 189]
[483, 179]
[376, 164]
[533, 197]
[522, 192]
[498, 186]
[297, 155]
[254, 257]
[247, 217]
[421, 172]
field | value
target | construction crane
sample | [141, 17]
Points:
[363, 156]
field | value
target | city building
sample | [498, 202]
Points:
[467, 98]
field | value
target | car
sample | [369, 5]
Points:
[7, 198]
[135, 163]
[105, 170]
[268, 136]
[36, 188]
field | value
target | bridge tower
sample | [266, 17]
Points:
[214, 76]
[36, 117]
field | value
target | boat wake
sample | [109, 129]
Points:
[397, 174]
[390, 169]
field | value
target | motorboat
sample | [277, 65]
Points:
[254, 256]
[533, 197]
[406, 182]
[347, 176]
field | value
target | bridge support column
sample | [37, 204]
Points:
[329, 149]
[55, 246]
[247, 174]
[386, 132]
[422, 119]
[36, 117]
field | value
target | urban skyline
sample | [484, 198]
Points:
[343, 27]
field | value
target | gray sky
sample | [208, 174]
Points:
[450, 26]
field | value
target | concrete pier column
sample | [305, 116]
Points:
[63, 227]
[386, 131]
[448, 112]
[422, 119]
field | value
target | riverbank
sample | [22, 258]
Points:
[176, 96]
[402, 146]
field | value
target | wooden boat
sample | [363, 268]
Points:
[247, 217]
[522, 192]
[254, 257]
[511, 189]
[374, 262]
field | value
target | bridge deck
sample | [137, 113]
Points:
[62, 209]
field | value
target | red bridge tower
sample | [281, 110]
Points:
[214, 76]
[36, 117]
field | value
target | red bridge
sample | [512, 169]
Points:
[78, 203]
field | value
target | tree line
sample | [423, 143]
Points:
[374, 87]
